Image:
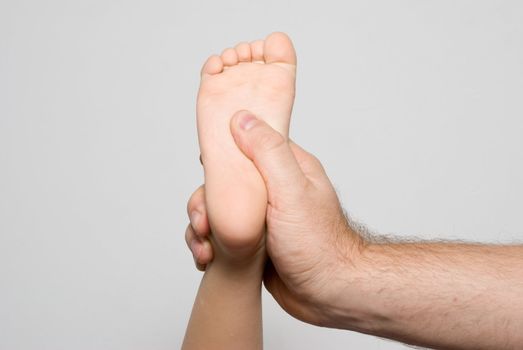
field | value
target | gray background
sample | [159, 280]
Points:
[414, 107]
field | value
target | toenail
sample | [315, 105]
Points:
[247, 121]
[194, 217]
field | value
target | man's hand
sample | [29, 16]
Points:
[440, 295]
[308, 239]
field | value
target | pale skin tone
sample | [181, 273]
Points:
[437, 295]
[259, 76]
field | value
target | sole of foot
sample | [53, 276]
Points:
[258, 77]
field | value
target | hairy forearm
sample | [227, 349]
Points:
[227, 311]
[439, 295]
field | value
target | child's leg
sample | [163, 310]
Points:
[258, 77]
[227, 312]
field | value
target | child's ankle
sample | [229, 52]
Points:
[251, 267]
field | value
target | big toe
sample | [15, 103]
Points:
[278, 48]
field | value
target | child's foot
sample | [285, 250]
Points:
[258, 77]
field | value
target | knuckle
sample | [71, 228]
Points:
[317, 163]
[269, 140]
[190, 203]
[188, 236]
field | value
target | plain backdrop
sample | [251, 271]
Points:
[414, 107]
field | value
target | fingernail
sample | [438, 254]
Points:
[247, 121]
[194, 217]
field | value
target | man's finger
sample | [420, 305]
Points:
[309, 164]
[270, 152]
[201, 249]
[198, 213]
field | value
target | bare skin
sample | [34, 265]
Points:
[438, 295]
[227, 312]
[259, 76]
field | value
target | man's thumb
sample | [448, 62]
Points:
[269, 151]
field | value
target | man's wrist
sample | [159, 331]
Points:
[347, 306]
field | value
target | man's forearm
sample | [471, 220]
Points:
[451, 296]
